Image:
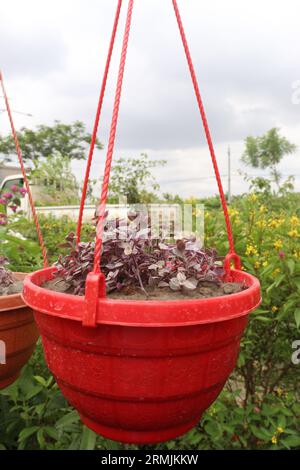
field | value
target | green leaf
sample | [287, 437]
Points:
[40, 380]
[291, 265]
[241, 360]
[51, 432]
[279, 280]
[69, 418]
[212, 429]
[292, 441]
[35, 390]
[88, 439]
[282, 421]
[297, 317]
[264, 319]
[297, 282]
[27, 432]
[261, 433]
[40, 438]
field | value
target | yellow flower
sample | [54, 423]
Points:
[280, 430]
[252, 197]
[251, 250]
[263, 209]
[265, 263]
[279, 391]
[232, 212]
[275, 223]
[278, 244]
[275, 309]
[274, 440]
[293, 233]
[261, 223]
[257, 264]
[294, 220]
[275, 272]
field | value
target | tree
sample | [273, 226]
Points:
[267, 151]
[53, 181]
[131, 177]
[69, 140]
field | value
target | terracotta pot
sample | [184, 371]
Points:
[18, 335]
[148, 369]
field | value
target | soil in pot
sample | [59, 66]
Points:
[204, 290]
[15, 288]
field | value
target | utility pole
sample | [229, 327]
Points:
[229, 175]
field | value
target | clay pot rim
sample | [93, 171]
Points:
[13, 301]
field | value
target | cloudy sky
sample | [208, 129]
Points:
[246, 55]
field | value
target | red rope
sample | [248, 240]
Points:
[97, 119]
[111, 142]
[19, 153]
[207, 132]
[232, 256]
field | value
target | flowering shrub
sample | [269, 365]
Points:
[260, 405]
[10, 200]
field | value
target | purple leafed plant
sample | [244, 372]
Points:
[11, 200]
[6, 277]
[131, 260]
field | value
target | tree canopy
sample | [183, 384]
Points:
[267, 150]
[69, 140]
[131, 177]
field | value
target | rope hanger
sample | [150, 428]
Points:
[26, 182]
[97, 119]
[95, 283]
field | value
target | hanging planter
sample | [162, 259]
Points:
[18, 332]
[140, 371]
[147, 370]
[18, 335]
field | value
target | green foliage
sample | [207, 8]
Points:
[267, 151]
[130, 177]
[266, 233]
[23, 255]
[54, 231]
[259, 407]
[57, 184]
[45, 141]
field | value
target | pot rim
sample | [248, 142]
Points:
[13, 301]
[148, 313]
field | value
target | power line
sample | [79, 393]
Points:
[201, 178]
[2, 110]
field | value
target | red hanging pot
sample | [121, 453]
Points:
[149, 369]
[18, 335]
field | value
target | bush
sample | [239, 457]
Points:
[259, 407]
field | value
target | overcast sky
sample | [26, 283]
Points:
[246, 55]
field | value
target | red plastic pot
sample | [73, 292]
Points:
[18, 333]
[149, 369]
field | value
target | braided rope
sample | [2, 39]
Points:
[232, 256]
[20, 158]
[97, 119]
[206, 129]
[111, 142]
